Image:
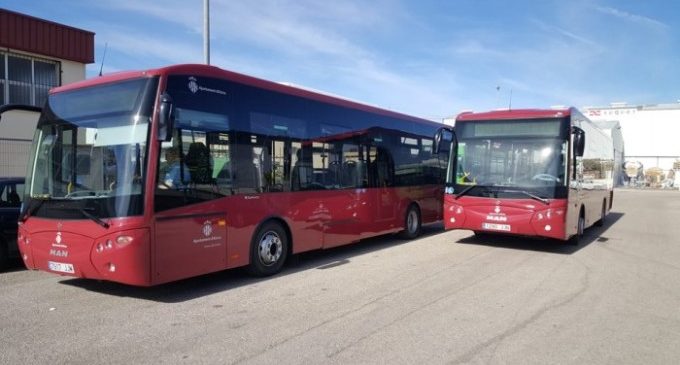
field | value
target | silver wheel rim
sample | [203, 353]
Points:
[412, 221]
[581, 224]
[270, 248]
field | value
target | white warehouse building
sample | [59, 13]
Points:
[651, 132]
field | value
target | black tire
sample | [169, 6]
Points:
[480, 234]
[581, 225]
[412, 223]
[603, 215]
[4, 254]
[268, 250]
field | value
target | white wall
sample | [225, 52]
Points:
[72, 72]
[16, 132]
[17, 124]
[647, 131]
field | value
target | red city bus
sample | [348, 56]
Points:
[149, 177]
[542, 173]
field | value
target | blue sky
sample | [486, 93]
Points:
[427, 58]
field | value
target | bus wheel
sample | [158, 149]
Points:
[574, 240]
[412, 223]
[269, 250]
[600, 223]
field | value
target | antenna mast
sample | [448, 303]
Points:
[106, 45]
[510, 104]
[206, 31]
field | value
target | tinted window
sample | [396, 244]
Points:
[259, 141]
[11, 194]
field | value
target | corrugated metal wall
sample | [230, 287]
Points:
[13, 156]
[29, 34]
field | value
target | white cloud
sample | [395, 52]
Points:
[639, 19]
[568, 34]
[280, 36]
[338, 47]
[139, 48]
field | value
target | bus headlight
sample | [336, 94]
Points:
[457, 209]
[549, 215]
[544, 214]
[123, 240]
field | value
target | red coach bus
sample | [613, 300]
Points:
[543, 173]
[148, 177]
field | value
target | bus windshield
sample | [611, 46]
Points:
[89, 151]
[510, 159]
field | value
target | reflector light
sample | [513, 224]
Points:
[452, 220]
[112, 267]
[547, 227]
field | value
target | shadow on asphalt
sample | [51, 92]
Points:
[204, 285]
[591, 235]
[14, 264]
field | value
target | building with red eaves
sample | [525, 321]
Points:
[35, 56]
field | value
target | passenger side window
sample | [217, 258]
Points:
[195, 166]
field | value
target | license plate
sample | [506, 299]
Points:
[61, 267]
[496, 226]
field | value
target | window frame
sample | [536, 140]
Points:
[34, 86]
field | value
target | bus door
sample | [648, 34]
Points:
[189, 244]
[341, 171]
[382, 176]
[191, 225]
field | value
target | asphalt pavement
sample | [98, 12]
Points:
[447, 297]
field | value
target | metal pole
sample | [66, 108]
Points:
[206, 31]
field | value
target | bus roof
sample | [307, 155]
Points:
[212, 71]
[515, 114]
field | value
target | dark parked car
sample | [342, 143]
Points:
[11, 193]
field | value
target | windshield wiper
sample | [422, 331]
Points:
[530, 195]
[94, 218]
[30, 210]
[465, 191]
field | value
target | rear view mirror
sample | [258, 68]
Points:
[578, 145]
[443, 135]
[166, 118]
[579, 141]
